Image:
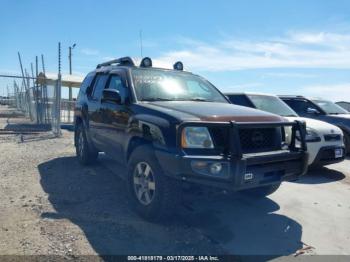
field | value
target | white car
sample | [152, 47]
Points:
[325, 142]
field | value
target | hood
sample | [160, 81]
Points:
[212, 111]
[320, 126]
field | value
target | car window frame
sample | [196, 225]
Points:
[123, 80]
[93, 84]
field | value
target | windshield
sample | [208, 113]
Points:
[272, 104]
[330, 107]
[161, 85]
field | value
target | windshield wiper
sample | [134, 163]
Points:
[197, 99]
[156, 99]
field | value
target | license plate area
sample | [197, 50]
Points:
[338, 153]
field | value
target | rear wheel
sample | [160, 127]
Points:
[153, 195]
[261, 192]
[85, 153]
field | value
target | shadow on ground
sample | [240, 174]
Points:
[18, 127]
[94, 198]
[321, 176]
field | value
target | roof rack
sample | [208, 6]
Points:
[119, 61]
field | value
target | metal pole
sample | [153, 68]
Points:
[44, 87]
[35, 93]
[58, 94]
[70, 60]
[70, 98]
[20, 63]
[38, 92]
[141, 47]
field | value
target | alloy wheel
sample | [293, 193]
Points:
[144, 183]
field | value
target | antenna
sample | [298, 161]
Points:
[141, 47]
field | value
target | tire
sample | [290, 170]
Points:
[261, 192]
[85, 153]
[153, 195]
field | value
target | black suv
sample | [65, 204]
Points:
[323, 110]
[171, 128]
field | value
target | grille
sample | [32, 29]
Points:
[332, 137]
[327, 155]
[260, 140]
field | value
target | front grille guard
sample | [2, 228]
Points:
[234, 127]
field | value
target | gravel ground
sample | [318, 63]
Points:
[49, 204]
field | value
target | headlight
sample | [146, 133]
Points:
[196, 137]
[311, 135]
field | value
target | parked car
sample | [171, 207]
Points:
[171, 127]
[345, 105]
[324, 141]
[323, 110]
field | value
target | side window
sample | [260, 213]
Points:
[240, 100]
[299, 106]
[86, 83]
[116, 83]
[100, 84]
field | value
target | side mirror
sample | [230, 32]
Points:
[111, 95]
[312, 111]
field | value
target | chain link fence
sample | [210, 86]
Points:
[40, 100]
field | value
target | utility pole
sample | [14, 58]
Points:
[70, 57]
[70, 98]
[141, 46]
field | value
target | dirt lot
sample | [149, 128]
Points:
[49, 204]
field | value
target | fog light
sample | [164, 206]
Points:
[215, 168]
[199, 164]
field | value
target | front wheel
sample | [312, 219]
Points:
[153, 195]
[261, 192]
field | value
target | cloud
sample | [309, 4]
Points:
[294, 50]
[290, 75]
[89, 51]
[335, 92]
[243, 86]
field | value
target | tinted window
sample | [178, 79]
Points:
[272, 104]
[300, 106]
[240, 100]
[116, 83]
[100, 84]
[330, 107]
[87, 82]
[344, 105]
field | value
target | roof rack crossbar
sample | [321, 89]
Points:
[121, 61]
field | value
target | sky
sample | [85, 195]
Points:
[267, 46]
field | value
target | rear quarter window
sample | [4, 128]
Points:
[240, 100]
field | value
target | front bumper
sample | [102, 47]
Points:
[249, 172]
[239, 171]
[326, 156]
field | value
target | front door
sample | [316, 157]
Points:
[94, 105]
[115, 118]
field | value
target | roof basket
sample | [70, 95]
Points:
[120, 61]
